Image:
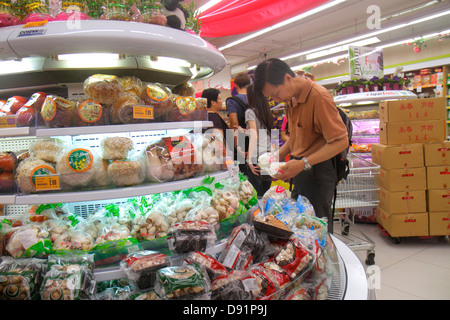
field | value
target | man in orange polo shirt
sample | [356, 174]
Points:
[317, 133]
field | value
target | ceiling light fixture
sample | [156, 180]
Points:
[282, 24]
[208, 5]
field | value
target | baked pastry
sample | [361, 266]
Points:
[103, 88]
[27, 171]
[116, 148]
[126, 172]
[57, 112]
[132, 85]
[46, 149]
[184, 90]
[158, 97]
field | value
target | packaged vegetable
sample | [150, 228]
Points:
[189, 236]
[182, 282]
[31, 240]
[141, 267]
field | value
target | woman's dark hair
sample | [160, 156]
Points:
[271, 71]
[260, 106]
[211, 94]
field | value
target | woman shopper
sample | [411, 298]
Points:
[317, 133]
[259, 120]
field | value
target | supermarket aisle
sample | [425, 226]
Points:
[415, 269]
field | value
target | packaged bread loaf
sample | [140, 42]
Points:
[116, 148]
[131, 84]
[57, 112]
[184, 90]
[188, 109]
[158, 97]
[75, 167]
[103, 88]
[91, 113]
[128, 108]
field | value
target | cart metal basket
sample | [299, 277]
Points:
[358, 190]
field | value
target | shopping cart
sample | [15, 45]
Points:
[357, 191]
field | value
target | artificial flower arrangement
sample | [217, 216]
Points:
[373, 84]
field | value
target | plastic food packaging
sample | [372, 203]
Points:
[150, 226]
[46, 149]
[269, 164]
[246, 238]
[293, 258]
[132, 85]
[73, 240]
[184, 90]
[182, 282]
[20, 278]
[141, 267]
[188, 109]
[234, 258]
[189, 236]
[273, 227]
[213, 267]
[117, 289]
[237, 285]
[128, 108]
[73, 10]
[125, 173]
[13, 104]
[7, 17]
[116, 148]
[57, 112]
[28, 170]
[75, 168]
[270, 278]
[31, 240]
[91, 113]
[26, 115]
[225, 200]
[7, 167]
[103, 88]
[158, 97]
[116, 10]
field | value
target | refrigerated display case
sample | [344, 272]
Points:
[152, 53]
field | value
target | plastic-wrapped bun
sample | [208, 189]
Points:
[123, 110]
[158, 97]
[116, 148]
[188, 109]
[76, 167]
[28, 170]
[57, 112]
[46, 149]
[126, 172]
[91, 113]
[132, 85]
[101, 177]
[184, 90]
[103, 88]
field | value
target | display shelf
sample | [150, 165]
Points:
[374, 96]
[15, 132]
[116, 193]
[70, 131]
[8, 199]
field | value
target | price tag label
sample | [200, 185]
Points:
[35, 24]
[48, 182]
[8, 121]
[141, 112]
[233, 169]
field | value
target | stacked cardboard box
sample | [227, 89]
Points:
[437, 162]
[405, 127]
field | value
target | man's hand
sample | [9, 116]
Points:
[290, 170]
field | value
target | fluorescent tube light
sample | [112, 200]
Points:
[208, 5]
[282, 24]
[88, 57]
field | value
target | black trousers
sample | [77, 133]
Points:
[260, 183]
[318, 185]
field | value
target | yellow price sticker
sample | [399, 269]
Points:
[45, 183]
[8, 121]
[141, 112]
[35, 24]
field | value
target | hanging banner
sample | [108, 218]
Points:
[365, 62]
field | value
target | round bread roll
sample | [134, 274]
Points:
[116, 148]
[76, 167]
[46, 149]
[28, 170]
[132, 85]
[126, 172]
[103, 88]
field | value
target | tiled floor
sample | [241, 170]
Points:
[415, 269]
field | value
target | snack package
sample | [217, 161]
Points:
[159, 163]
[225, 200]
[149, 295]
[73, 10]
[101, 177]
[246, 238]
[182, 282]
[300, 292]
[184, 90]
[293, 258]
[69, 277]
[273, 227]
[116, 148]
[275, 193]
[57, 112]
[56, 227]
[131, 84]
[91, 113]
[20, 278]
[75, 167]
[189, 236]
[158, 96]
[213, 151]
[270, 278]
[234, 258]
[318, 225]
[103, 88]
[237, 285]
[31, 240]
[73, 240]
[141, 267]
[188, 109]
[150, 226]
[247, 193]
[213, 267]
[36, 11]
[28, 170]
[269, 164]
[117, 289]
